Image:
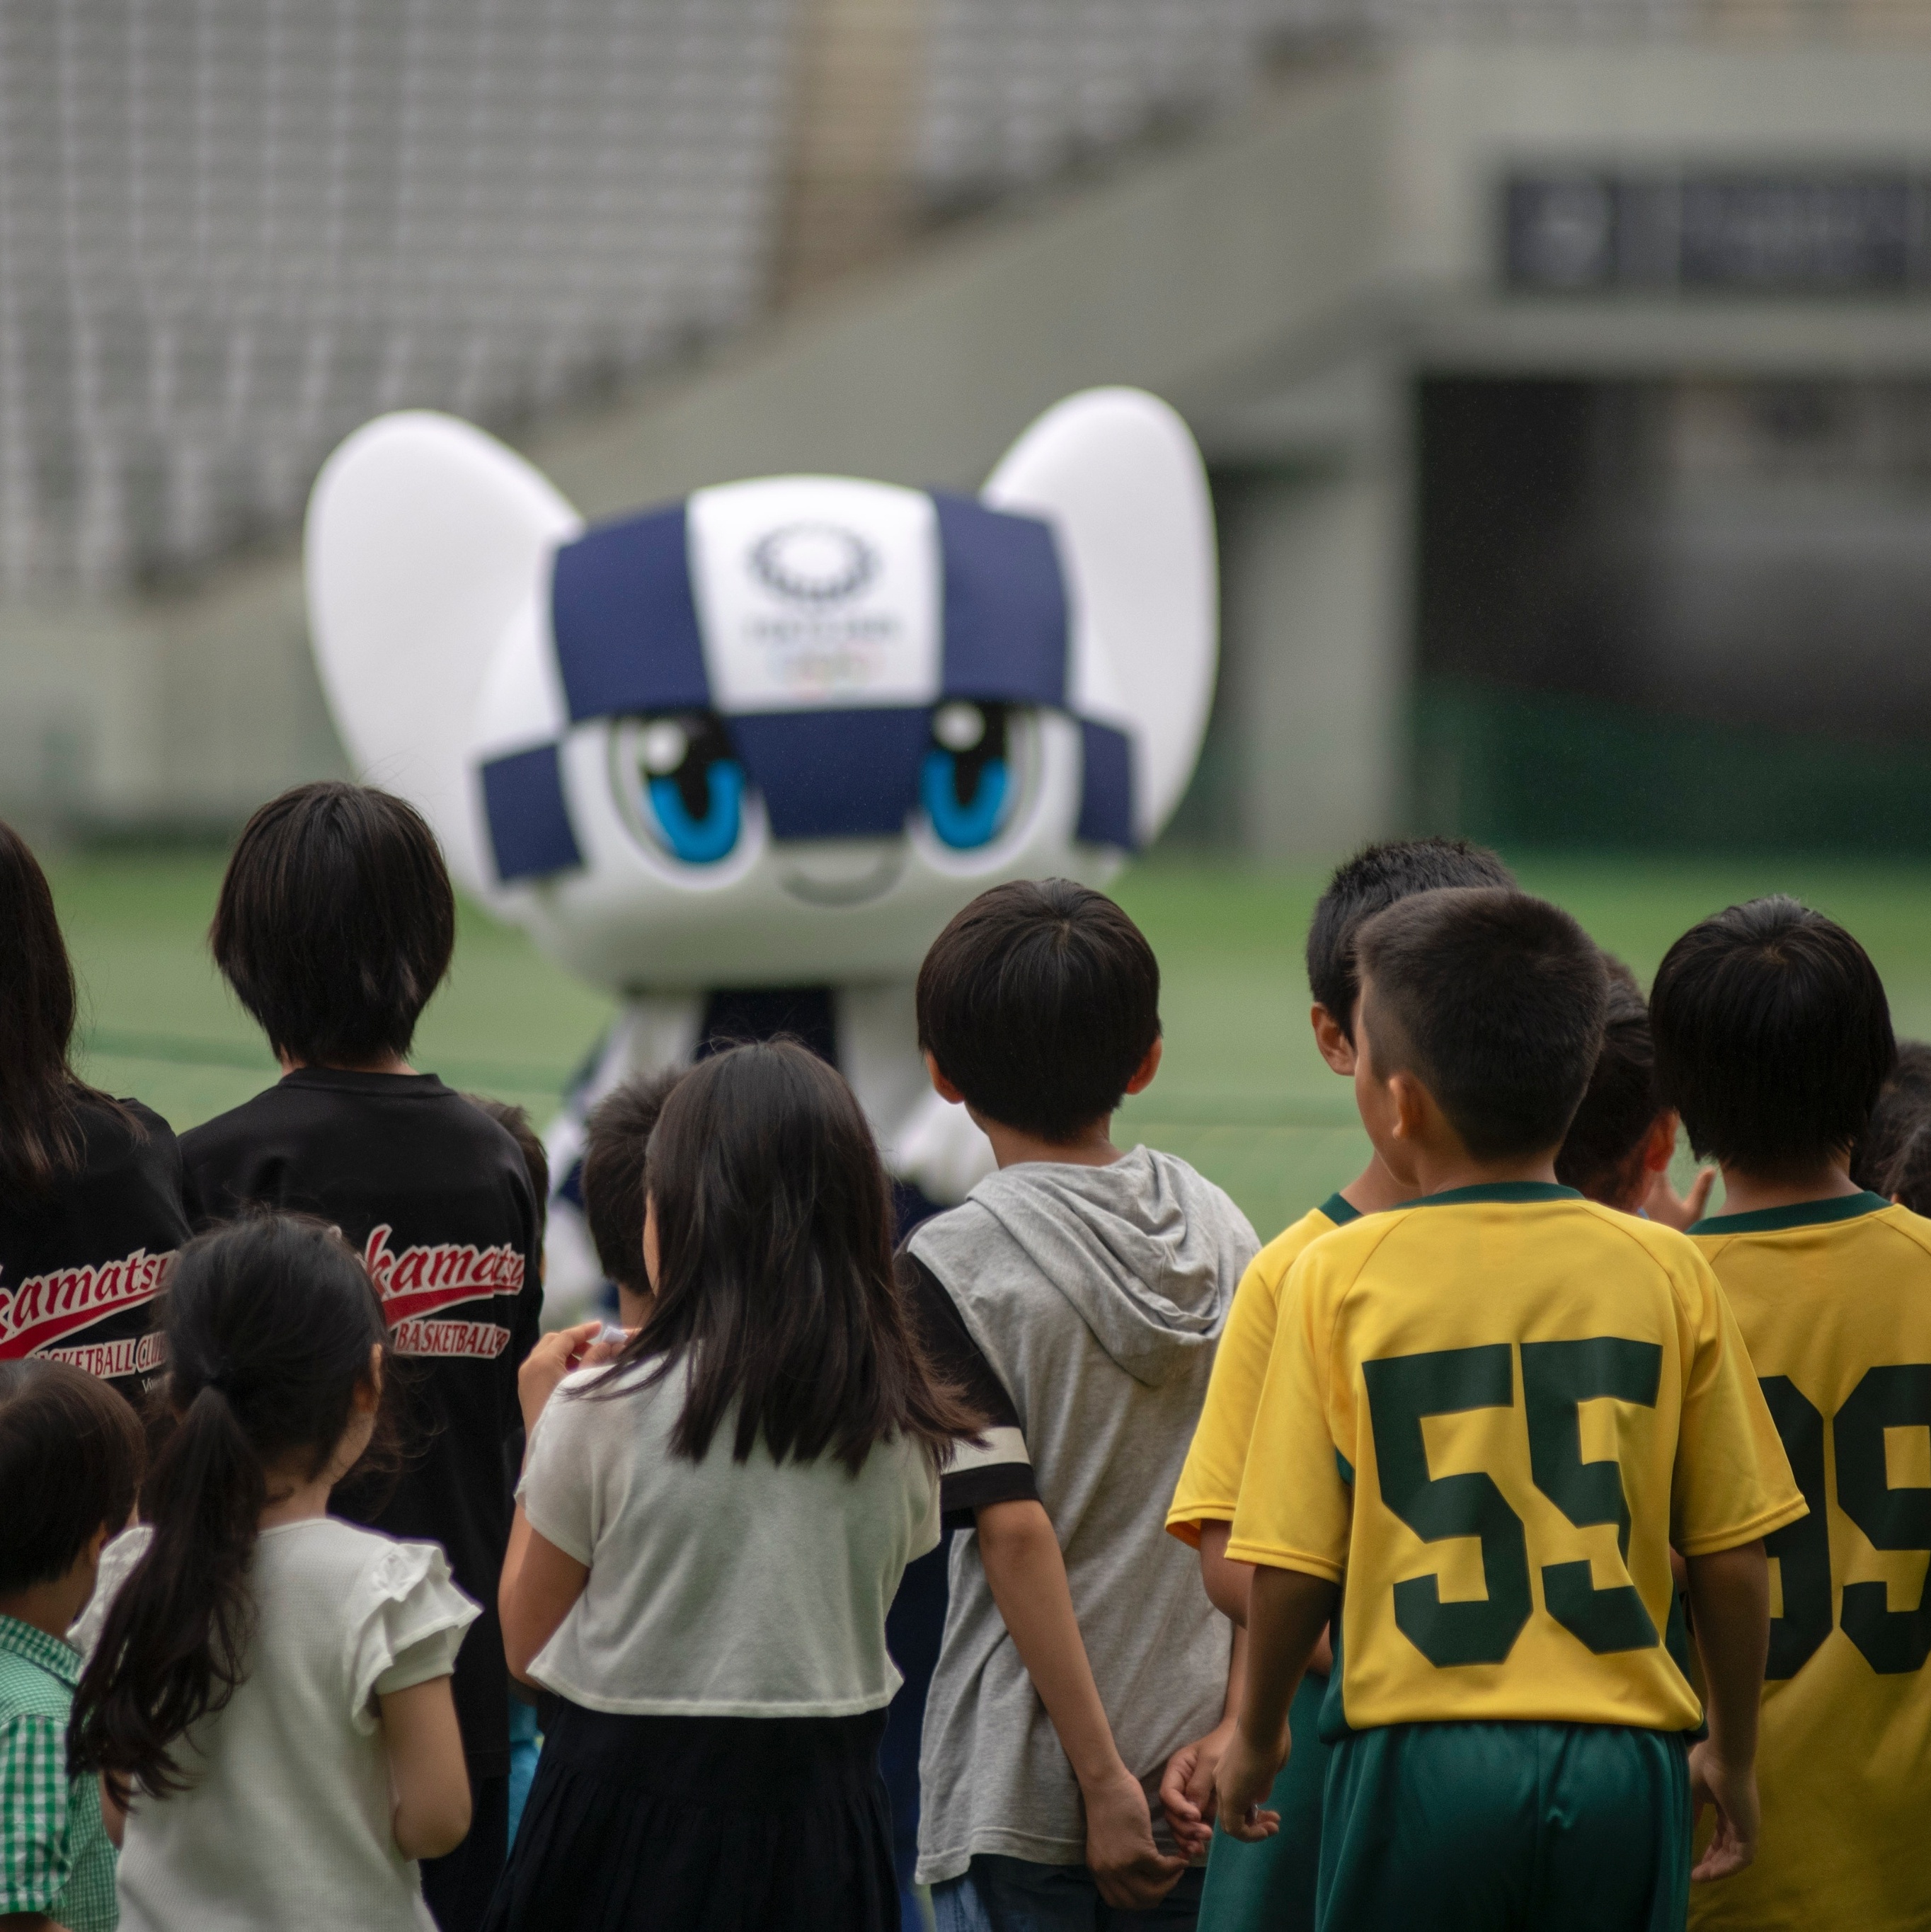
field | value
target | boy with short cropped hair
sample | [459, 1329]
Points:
[1075, 1299]
[1773, 1038]
[1270, 1885]
[70, 1455]
[335, 924]
[1492, 1410]
[615, 1137]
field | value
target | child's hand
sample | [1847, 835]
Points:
[1127, 1866]
[1733, 1790]
[1186, 1791]
[1243, 1778]
[1663, 1204]
[553, 1357]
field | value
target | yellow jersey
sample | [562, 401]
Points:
[1492, 1412]
[1834, 1300]
[1210, 1480]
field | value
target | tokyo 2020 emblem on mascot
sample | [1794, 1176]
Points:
[740, 758]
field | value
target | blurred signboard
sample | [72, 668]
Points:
[1781, 232]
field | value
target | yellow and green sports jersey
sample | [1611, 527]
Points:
[1492, 1412]
[1834, 1300]
[1210, 1482]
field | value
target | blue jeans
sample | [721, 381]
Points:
[1001, 1894]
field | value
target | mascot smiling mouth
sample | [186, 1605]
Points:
[840, 872]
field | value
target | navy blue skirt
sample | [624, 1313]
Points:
[703, 1825]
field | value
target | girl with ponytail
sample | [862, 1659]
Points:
[269, 1689]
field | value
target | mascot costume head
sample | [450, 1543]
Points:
[738, 759]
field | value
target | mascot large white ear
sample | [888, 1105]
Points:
[1117, 474]
[424, 538]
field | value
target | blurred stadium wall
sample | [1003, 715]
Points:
[1564, 365]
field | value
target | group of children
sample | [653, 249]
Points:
[1501, 1545]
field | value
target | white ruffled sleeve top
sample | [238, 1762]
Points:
[287, 1820]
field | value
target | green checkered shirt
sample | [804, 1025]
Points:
[55, 1856]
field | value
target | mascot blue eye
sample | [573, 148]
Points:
[965, 784]
[693, 786]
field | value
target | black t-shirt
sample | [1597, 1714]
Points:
[434, 1195]
[994, 1467]
[80, 1264]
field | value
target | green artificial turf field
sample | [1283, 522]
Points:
[1243, 1094]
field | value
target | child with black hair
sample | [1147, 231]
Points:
[1620, 1145]
[1504, 1754]
[615, 1138]
[91, 1204]
[1270, 1885]
[1906, 1180]
[516, 1122]
[335, 925]
[1076, 1297]
[1903, 1107]
[71, 1457]
[1773, 1039]
[712, 1522]
[269, 1688]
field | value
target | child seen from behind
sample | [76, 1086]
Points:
[1076, 1298]
[269, 1691]
[71, 1457]
[335, 925]
[1270, 1885]
[710, 1528]
[1773, 1038]
[91, 1204]
[615, 1138]
[1619, 1144]
[1498, 1385]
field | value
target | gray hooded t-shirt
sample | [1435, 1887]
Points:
[1096, 1295]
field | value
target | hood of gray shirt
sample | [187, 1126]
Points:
[1144, 1250]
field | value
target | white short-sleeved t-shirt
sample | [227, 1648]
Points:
[718, 1588]
[287, 1822]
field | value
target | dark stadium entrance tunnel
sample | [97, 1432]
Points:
[1675, 614]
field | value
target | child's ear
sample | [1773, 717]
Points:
[1330, 1039]
[1411, 1106]
[1660, 1148]
[944, 1089]
[1142, 1077]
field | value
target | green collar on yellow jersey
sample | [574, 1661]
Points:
[1799, 1214]
[1495, 1190]
[1340, 1212]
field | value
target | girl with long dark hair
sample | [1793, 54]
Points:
[90, 1186]
[710, 1528]
[268, 1690]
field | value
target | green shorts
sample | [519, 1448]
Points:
[1506, 1828]
[1269, 1887]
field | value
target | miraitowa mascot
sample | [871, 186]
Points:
[739, 758]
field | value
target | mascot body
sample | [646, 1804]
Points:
[738, 760]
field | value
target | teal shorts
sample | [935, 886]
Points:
[1506, 1828]
[1269, 1887]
